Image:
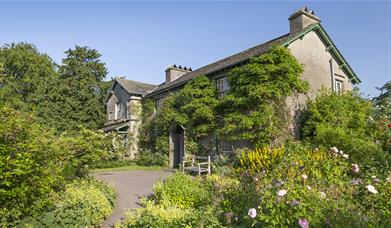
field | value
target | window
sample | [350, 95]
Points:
[111, 115]
[159, 103]
[338, 86]
[120, 111]
[222, 86]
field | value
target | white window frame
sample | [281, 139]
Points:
[338, 85]
[222, 86]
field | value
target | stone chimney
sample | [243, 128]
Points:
[302, 19]
[173, 72]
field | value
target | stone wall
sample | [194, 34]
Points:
[312, 53]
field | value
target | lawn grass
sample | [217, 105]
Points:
[128, 168]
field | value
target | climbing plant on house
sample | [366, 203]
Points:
[254, 109]
[192, 107]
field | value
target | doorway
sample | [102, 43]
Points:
[177, 145]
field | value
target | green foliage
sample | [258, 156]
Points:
[382, 116]
[319, 187]
[152, 215]
[29, 166]
[383, 102]
[182, 191]
[343, 120]
[147, 158]
[192, 107]
[83, 203]
[82, 90]
[83, 149]
[254, 109]
[26, 78]
[61, 97]
[195, 104]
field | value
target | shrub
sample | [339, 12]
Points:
[181, 190]
[147, 158]
[152, 215]
[83, 149]
[310, 184]
[83, 203]
[29, 166]
[343, 120]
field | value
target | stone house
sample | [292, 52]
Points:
[324, 66]
[123, 106]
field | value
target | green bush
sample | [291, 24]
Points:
[343, 120]
[152, 215]
[181, 190]
[29, 166]
[83, 203]
[147, 158]
[82, 149]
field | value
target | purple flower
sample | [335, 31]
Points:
[252, 212]
[304, 223]
[295, 203]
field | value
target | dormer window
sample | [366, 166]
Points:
[222, 86]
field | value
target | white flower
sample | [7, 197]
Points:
[373, 177]
[322, 194]
[282, 192]
[304, 177]
[309, 187]
[371, 189]
[334, 149]
[341, 152]
[345, 156]
[252, 212]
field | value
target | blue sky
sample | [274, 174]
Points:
[139, 40]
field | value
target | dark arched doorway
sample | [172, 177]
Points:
[177, 145]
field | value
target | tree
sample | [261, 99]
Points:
[382, 116]
[26, 77]
[254, 109]
[81, 91]
[383, 102]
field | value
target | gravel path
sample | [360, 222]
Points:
[130, 187]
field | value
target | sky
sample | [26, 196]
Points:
[139, 40]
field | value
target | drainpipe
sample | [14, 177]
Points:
[332, 74]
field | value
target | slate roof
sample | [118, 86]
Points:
[243, 56]
[224, 63]
[135, 87]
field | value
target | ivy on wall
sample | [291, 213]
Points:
[253, 110]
